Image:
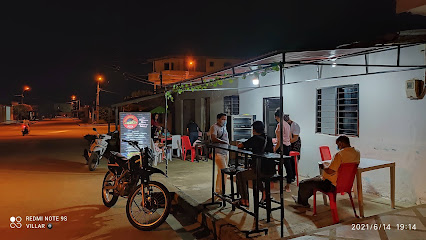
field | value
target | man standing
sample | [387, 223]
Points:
[296, 142]
[219, 134]
[286, 147]
[192, 129]
[327, 182]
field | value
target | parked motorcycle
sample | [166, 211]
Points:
[100, 145]
[25, 130]
[148, 204]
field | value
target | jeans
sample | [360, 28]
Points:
[193, 136]
[243, 177]
[307, 186]
[289, 164]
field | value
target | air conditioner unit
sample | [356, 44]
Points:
[414, 89]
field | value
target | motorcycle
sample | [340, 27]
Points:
[98, 148]
[25, 129]
[148, 204]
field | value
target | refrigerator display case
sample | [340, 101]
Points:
[239, 127]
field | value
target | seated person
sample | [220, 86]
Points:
[258, 144]
[327, 182]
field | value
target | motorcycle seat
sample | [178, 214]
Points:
[118, 155]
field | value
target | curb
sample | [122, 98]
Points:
[219, 228]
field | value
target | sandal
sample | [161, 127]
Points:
[238, 203]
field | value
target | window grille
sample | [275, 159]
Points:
[338, 110]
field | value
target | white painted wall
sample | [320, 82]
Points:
[391, 127]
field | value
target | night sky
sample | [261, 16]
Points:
[58, 47]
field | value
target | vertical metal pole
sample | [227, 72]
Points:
[97, 103]
[165, 132]
[398, 56]
[116, 118]
[281, 136]
[109, 119]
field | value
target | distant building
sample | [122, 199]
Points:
[63, 109]
[171, 69]
[6, 113]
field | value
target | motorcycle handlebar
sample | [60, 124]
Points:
[131, 142]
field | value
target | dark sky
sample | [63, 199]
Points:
[58, 47]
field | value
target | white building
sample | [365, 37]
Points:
[387, 125]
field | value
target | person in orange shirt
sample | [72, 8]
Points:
[327, 182]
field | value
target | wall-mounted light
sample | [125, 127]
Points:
[255, 81]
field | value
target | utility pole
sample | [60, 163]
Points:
[98, 89]
[97, 102]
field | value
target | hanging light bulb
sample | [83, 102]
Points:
[255, 81]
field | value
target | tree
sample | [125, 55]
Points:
[21, 111]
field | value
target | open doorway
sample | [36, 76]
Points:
[269, 107]
[206, 114]
[188, 113]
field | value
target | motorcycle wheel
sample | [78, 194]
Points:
[156, 209]
[108, 196]
[93, 161]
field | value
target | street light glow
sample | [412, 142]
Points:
[73, 97]
[26, 88]
[190, 63]
[99, 78]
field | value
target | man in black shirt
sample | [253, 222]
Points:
[258, 144]
[192, 129]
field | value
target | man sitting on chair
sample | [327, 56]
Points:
[327, 182]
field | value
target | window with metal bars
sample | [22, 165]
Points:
[231, 105]
[338, 110]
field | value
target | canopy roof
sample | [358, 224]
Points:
[290, 59]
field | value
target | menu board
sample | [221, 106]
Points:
[134, 126]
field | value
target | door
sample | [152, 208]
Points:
[269, 107]
[206, 114]
[188, 113]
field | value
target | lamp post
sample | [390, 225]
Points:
[26, 88]
[74, 100]
[98, 89]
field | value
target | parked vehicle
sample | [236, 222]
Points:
[148, 204]
[99, 146]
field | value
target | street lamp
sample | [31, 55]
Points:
[26, 88]
[74, 100]
[99, 79]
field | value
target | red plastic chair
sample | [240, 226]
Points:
[325, 153]
[345, 179]
[295, 154]
[186, 145]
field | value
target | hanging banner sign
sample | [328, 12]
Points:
[134, 126]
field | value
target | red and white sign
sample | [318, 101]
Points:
[130, 121]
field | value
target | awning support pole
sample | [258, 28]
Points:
[281, 140]
[165, 132]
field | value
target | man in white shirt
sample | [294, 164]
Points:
[296, 142]
[286, 147]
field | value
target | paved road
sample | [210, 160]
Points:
[43, 174]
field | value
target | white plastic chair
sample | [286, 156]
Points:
[176, 144]
[158, 155]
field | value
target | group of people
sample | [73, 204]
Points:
[260, 143]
